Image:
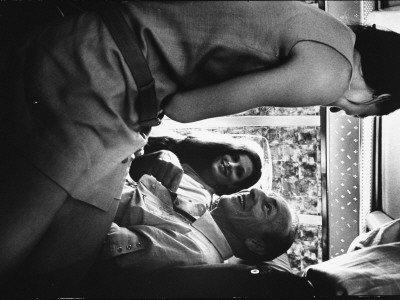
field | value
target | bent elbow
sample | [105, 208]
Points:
[179, 113]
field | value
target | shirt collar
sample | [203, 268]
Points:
[207, 226]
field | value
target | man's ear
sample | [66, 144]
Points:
[255, 246]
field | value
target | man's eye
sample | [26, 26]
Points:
[267, 207]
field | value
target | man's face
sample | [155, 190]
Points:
[251, 214]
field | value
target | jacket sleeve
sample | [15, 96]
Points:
[121, 241]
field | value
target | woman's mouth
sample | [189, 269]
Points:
[224, 168]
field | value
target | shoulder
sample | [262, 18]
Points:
[323, 44]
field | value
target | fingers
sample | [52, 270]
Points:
[159, 170]
[175, 181]
[168, 174]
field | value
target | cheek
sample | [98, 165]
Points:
[214, 170]
[218, 177]
[247, 175]
[245, 225]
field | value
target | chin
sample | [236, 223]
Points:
[215, 171]
[224, 198]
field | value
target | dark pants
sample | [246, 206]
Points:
[48, 239]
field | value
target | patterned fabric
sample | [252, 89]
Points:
[374, 269]
[385, 234]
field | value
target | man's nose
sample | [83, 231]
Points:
[258, 197]
[257, 193]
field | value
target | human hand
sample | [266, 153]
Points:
[163, 165]
[167, 169]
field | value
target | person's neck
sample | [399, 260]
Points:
[223, 226]
[206, 177]
[234, 241]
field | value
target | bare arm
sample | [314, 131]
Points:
[314, 74]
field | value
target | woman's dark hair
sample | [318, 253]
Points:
[380, 62]
[199, 153]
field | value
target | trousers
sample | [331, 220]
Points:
[49, 239]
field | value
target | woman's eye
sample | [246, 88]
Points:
[235, 157]
[239, 173]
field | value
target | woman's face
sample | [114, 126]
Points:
[230, 169]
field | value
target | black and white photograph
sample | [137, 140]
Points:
[199, 149]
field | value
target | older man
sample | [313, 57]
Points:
[155, 229]
[150, 232]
